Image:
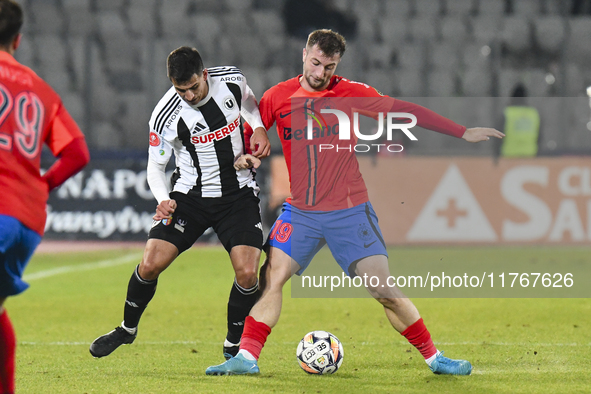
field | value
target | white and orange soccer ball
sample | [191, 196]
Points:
[320, 353]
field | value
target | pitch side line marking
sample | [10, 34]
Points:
[295, 342]
[82, 267]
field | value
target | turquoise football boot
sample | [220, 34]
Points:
[235, 366]
[446, 366]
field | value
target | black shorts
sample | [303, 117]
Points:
[235, 219]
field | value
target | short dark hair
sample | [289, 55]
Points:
[329, 42]
[11, 20]
[183, 63]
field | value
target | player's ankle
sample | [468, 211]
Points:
[131, 331]
[247, 355]
[230, 344]
[429, 360]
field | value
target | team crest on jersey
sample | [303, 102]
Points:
[364, 232]
[229, 103]
[154, 139]
[321, 103]
[166, 221]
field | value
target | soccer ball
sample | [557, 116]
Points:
[320, 352]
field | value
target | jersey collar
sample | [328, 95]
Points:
[7, 57]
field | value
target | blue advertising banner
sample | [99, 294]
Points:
[109, 200]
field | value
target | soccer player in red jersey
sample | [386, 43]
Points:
[329, 201]
[31, 114]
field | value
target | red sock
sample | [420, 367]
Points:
[7, 351]
[418, 335]
[254, 336]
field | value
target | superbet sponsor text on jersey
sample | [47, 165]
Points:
[206, 137]
[216, 135]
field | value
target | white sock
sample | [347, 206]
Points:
[430, 359]
[230, 344]
[132, 331]
[247, 355]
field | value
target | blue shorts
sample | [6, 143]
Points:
[17, 244]
[351, 235]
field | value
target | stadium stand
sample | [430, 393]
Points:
[80, 19]
[459, 8]
[493, 9]
[392, 31]
[102, 55]
[140, 11]
[550, 33]
[516, 34]
[526, 7]
[485, 29]
[427, 8]
[424, 28]
[442, 83]
[444, 56]
[454, 29]
[397, 9]
[47, 16]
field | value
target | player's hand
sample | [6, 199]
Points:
[259, 143]
[165, 209]
[477, 134]
[246, 161]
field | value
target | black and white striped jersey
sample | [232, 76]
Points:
[205, 138]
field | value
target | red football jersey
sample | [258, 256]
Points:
[31, 114]
[326, 180]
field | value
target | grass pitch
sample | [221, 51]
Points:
[515, 345]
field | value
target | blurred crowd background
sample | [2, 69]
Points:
[462, 58]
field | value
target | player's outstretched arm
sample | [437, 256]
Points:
[259, 143]
[477, 134]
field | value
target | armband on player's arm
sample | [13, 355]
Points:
[156, 176]
[72, 158]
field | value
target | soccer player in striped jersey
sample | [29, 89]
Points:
[213, 186]
[31, 114]
[328, 199]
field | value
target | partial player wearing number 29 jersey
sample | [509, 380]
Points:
[31, 114]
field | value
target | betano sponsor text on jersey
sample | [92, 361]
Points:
[342, 129]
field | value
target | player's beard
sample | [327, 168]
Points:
[317, 84]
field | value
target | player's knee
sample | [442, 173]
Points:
[246, 277]
[150, 270]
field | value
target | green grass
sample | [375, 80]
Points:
[515, 345]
